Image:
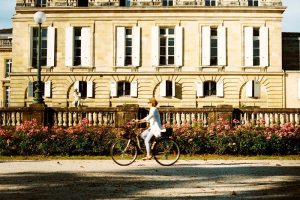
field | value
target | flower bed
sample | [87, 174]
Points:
[220, 138]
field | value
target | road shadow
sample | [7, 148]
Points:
[190, 183]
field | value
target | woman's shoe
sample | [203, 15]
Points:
[147, 158]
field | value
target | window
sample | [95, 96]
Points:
[83, 3]
[77, 46]
[167, 88]
[213, 46]
[7, 96]
[210, 88]
[44, 33]
[82, 87]
[253, 89]
[123, 88]
[41, 3]
[252, 2]
[32, 88]
[210, 2]
[128, 46]
[256, 49]
[8, 64]
[167, 46]
[167, 2]
[125, 3]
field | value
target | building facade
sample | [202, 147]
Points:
[185, 53]
[5, 66]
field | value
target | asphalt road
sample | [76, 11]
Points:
[195, 179]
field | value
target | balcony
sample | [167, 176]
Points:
[5, 44]
[137, 3]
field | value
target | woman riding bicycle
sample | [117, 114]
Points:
[155, 125]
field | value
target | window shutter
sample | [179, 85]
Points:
[205, 45]
[134, 89]
[256, 86]
[248, 40]
[113, 89]
[249, 89]
[31, 46]
[222, 45]
[69, 47]
[120, 46]
[173, 88]
[30, 89]
[220, 89]
[155, 46]
[85, 47]
[163, 88]
[136, 45]
[90, 89]
[264, 46]
[199, 87]
[47, 89]
[76, 86]
[298, 88]
[178, 45]
[50, 46]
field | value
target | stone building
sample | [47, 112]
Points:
[186, 53]
[5, 65]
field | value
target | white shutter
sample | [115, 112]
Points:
[50, 46]
[256, 86]
[155, 46]
[249, 89]
[136, 45]
[178, 45]
[85, 47]
[163, 88]
[199, 87]
[298, 88]
[120, 47]
[205, 45]
[76, 85]
[248, 47]
[47, 88]
[90, 89]
[222, 45]
[173, 88]
[69, 47]
[30, 91]
[113, 89]
[264, 46]
[220, 89]
[134, 89]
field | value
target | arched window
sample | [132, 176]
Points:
[210, 88]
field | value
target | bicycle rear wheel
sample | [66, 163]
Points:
[166, 152]
[123, 152]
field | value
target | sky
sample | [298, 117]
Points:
[291, 18]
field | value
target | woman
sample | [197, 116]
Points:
[155, 125]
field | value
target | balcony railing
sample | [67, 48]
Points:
[5, 43]
[101, 3]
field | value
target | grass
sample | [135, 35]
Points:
[182, 157]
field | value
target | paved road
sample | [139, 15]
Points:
[102, 179]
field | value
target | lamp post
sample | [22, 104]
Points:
[39, 18]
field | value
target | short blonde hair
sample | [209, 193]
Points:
[153, 102]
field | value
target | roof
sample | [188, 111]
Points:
[6, 31]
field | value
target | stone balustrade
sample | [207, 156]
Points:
[101, 3]
[115, 117]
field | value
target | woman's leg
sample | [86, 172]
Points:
[147, 135]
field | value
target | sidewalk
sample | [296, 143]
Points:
[195, 179]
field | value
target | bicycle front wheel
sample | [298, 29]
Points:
[123, 152]
[166, 152]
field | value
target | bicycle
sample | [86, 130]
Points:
[165, 150]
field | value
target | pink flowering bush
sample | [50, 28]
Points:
[222, 137]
